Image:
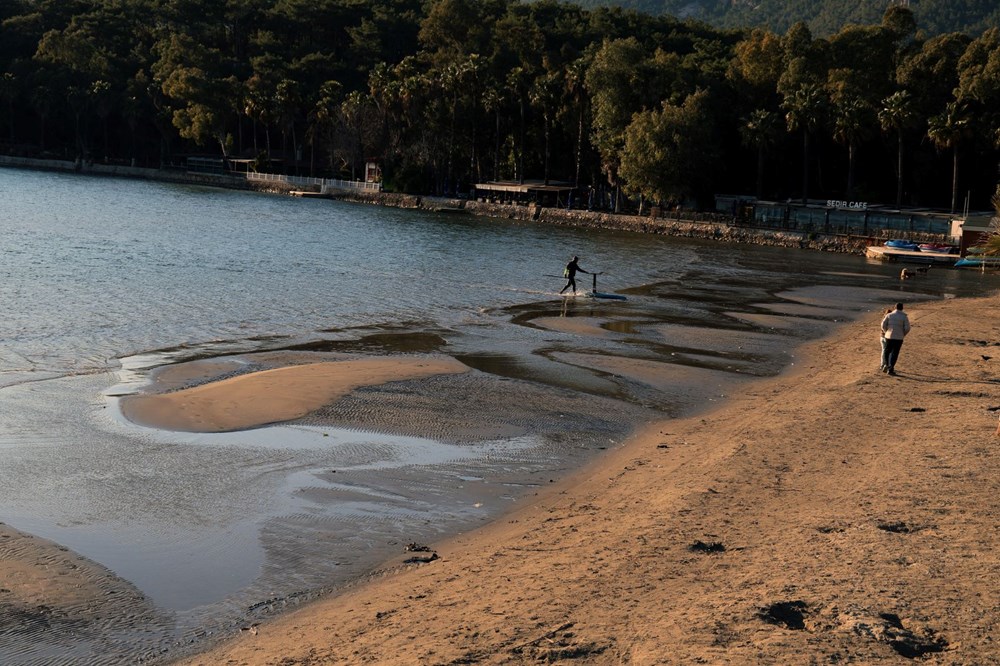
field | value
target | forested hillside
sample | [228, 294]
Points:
[627, 107]
[824, 17]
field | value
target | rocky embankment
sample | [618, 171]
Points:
[687, 224]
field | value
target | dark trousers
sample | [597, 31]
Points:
[571, 283]
[891, 352]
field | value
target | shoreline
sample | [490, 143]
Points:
[765, 529]
[689, 224]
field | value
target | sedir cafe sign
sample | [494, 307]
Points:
[853, 205]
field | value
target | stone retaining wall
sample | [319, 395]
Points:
[706, 226]
[709, 226]
[379, 198]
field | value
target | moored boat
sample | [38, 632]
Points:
[978, 262]
[940, 248]
[898, 244]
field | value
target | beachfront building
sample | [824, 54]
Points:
[853, 218]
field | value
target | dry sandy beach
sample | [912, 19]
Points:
[830, 515]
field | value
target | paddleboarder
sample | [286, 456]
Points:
[570, 274]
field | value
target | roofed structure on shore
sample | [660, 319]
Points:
[552, 193]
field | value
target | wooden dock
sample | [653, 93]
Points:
[883, 253]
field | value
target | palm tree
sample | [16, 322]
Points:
[456, 77]
[946, 131]
[761, 130]
[322, 121]
[851, 126]
[896, 115]
[576, 78]
[286, 109]
[259, 105]
[804, 111]
[518, 81]
[250, 110]
[544, 94]
[493, 102]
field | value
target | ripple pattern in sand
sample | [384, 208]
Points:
[476, 407]
[86, 614]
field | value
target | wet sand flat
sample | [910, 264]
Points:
[682, 382]
[47, 587]
[830, 514]
[589, 326]
[36, 573]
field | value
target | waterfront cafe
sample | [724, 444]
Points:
[855, 218]
[553, 193]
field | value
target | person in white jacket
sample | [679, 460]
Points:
[895, 326]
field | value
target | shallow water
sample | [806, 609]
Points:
[104, 280]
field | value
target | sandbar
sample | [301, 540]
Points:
[274, 395]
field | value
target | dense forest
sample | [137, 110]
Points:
[823, 17]
[443, 94]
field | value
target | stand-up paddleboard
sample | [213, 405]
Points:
[601, 294]
[613, 297]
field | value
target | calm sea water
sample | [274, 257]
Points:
[102, 279]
